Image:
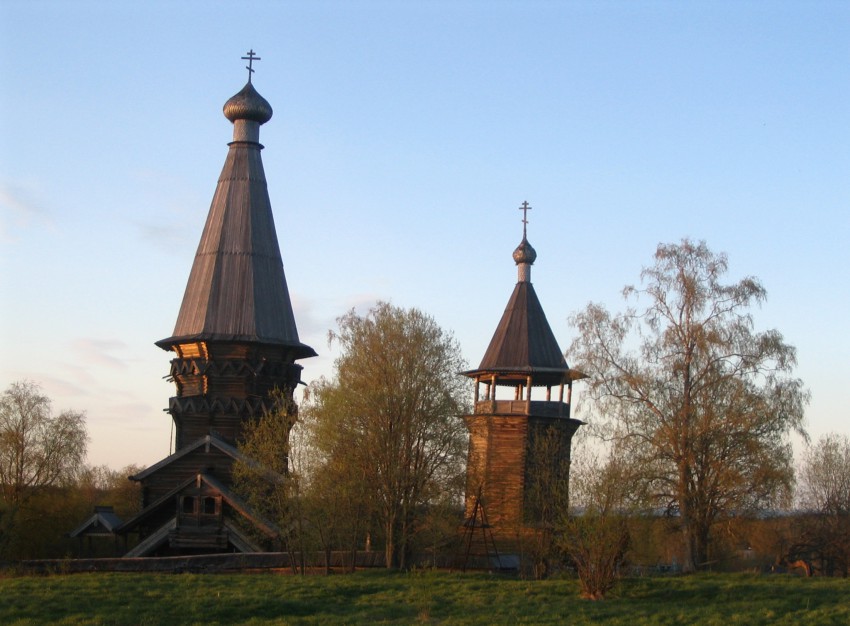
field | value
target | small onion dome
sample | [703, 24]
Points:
[525, 253]
[248, 105]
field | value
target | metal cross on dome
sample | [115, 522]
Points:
[524, 207]
[250, 58]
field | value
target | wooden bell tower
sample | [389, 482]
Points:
[523, 390]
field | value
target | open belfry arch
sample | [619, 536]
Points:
[526, 366]
[235, 341]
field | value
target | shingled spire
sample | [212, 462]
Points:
[235, 337]
[523, 344]
[237, 288]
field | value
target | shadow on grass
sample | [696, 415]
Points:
[382, 597]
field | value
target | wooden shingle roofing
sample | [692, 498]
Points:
[523, 339]
[103, 522]
[524, 344]
[237, 289]
[208, 441]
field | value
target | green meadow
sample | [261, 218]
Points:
[426, 597]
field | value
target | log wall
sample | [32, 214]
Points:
[220, 385]
[502, 461]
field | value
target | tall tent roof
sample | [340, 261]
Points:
[524, 343]
[237, 288]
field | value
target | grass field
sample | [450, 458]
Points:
[379, 597]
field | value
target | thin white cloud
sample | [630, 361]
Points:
[362, 302]
[314, 318]
[308, 321]
[61, 387]
[128, 414]
[20, 206]
[81, 376]
[172, 223]
[53, 387]
[99, 352]
[164, 237]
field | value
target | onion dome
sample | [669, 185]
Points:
[248, 105]
[525, 254]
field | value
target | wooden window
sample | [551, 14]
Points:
[189, 504]
[210, 505]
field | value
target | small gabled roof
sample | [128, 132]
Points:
[239, 539]
[154, 506]
[238, 504]
[154, 540]
[103, 522]
[243, 508]
[208, 441]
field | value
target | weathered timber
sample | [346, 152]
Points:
[500, 449]
[205, 563]
[215, 540]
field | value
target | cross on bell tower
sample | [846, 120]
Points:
[525, 207]
[251, 58]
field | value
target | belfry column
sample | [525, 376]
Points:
[505, 434]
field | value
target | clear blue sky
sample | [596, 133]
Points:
[404, 138]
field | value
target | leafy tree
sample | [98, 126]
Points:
[37, 450]
[102, 485]
[389, 419]
[595, 535]
[825, 497]
[340, 508]
[265, 481]
[546, 495]
[693, 395]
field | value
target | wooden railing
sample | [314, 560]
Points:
[521, 407]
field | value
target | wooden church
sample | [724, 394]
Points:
[234, 342]
[520, 432]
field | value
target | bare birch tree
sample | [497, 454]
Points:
[37, 449]
[824, 491]
[691, 393]
[595, 534]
